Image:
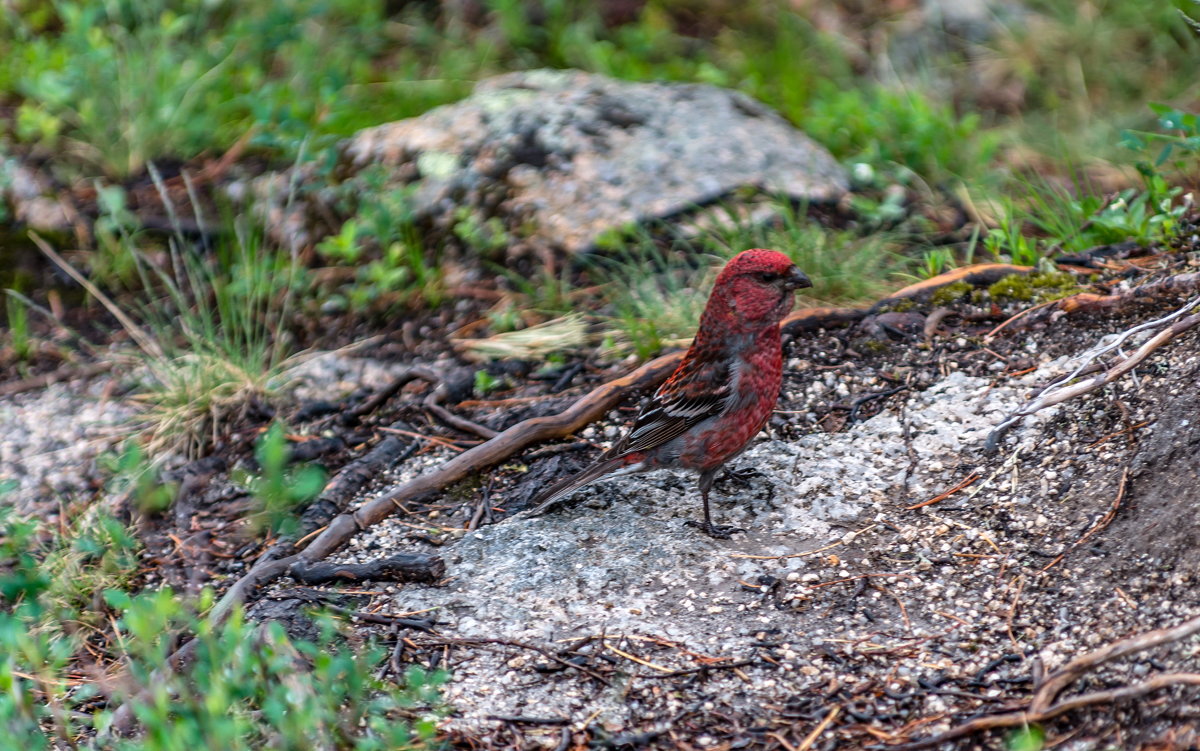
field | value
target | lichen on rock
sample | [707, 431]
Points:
[562, 157]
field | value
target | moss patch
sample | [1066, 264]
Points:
[1034, 287]
[951, 293]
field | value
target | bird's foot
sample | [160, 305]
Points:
[716, 531]
[740, 476]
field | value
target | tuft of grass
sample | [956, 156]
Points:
[1030, 738]
[936, 261]
[210, 331]
[1008, 242]
[1077, 219]
[220, 326]
[886, 127]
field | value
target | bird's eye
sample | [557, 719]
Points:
[768, 276]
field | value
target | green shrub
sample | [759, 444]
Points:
[247, 686]
[120, 84]
[883, 126]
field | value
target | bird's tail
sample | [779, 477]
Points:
[564, 487]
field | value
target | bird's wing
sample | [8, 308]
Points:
[687, 398]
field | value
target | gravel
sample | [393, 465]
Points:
[836, 583]
[50, 439]
[1079, 531]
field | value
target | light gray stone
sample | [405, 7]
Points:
[561, 157]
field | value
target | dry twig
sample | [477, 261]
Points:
[1041, 708]
[1064, 388]
[943, 496]
[812, 737]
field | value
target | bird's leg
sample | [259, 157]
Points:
[712, 530]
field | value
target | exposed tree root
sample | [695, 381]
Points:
[977, 275]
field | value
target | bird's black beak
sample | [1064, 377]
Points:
[796, 279]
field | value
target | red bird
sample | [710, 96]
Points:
[722, 393]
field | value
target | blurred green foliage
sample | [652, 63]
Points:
[278, 487]
[110, 86]
[119, 82]
[247, 686]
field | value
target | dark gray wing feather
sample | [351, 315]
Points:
[688, 402]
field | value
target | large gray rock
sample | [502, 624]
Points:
[561, 157]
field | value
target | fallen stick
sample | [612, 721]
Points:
[519, 436]
[402, 567]
[345, 525]
[433, 404]
[943, 496]
[977, 275]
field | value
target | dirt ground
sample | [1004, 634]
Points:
[895, 579]
[843, 611]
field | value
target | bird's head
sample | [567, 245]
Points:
[757, 286]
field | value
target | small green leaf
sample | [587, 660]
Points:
[1031, 738]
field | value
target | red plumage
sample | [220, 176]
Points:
[723, 391]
